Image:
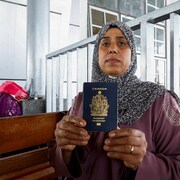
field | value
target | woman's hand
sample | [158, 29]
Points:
[128, 145]
[70, 132]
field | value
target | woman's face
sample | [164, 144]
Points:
[114, 53]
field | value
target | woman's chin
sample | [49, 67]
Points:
[112, 74]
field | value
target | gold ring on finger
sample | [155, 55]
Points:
[131, 149]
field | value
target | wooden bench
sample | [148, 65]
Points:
[23, 146]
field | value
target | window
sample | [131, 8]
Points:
[160, 73]
[126, 18]
[152, 5]
[159, 41]
[132, 8]
[159, 51]
[98, 17]
[137, 34]
[106, 4]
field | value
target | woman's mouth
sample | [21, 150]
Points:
[112, 61]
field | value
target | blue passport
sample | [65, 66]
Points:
[100, 106]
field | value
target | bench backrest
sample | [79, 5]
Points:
[21, 133]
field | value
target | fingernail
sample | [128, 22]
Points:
[81, 123]
[112, 134]
[107, 141]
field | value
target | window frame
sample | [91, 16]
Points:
[104, 12]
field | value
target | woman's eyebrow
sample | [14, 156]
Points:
[106, 37]
[118, 37]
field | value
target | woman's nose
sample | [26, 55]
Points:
[113, 48]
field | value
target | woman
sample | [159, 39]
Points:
[146, 144]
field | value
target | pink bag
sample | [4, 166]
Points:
[14, 90]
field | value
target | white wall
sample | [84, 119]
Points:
[68, 24]
[12, 41]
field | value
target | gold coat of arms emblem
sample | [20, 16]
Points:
[99, 105]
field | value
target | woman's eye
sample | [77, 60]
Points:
[105, 44]
[122, 43]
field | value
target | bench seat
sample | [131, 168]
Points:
[23, 146]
